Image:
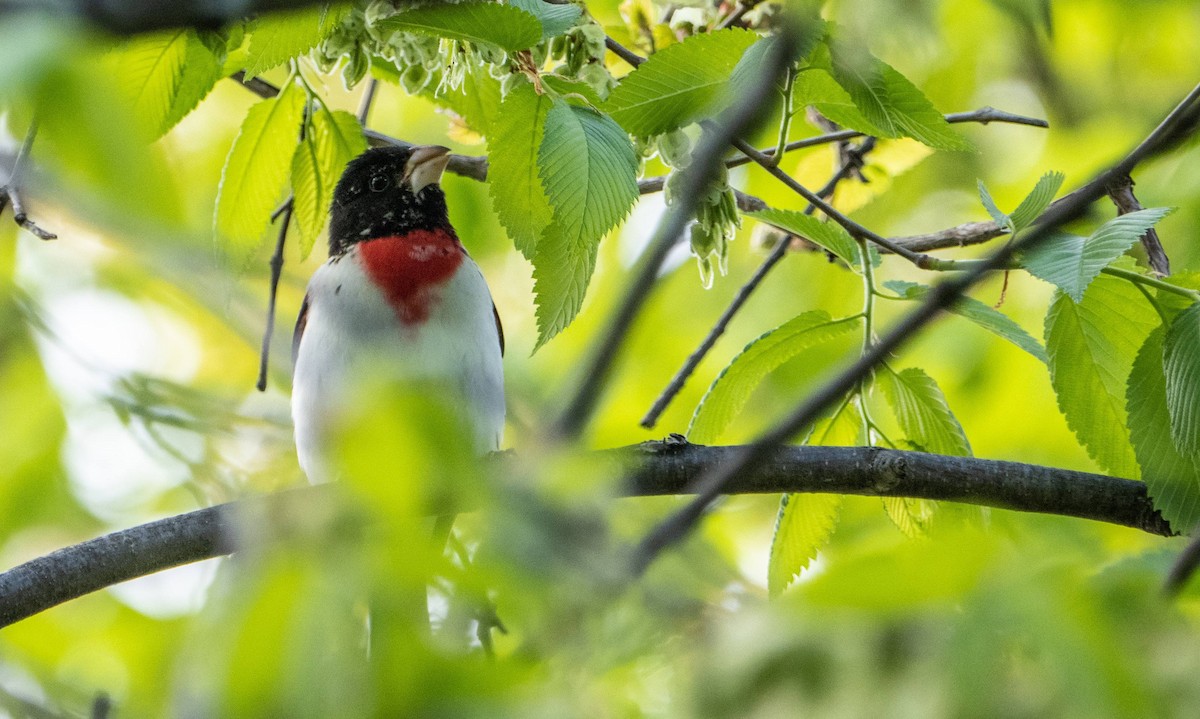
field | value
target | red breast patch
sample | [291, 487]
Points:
[410, 268]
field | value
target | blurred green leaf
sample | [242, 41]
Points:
[476, 101]
[732, 388]
[513, 175]
[825, 234]
[1172, 477]
[278, 37]
[256, 171]
[804, 524]
[677, 85]
[888, 100]
[1092, 345]
[555, 19]
[1181, 365]
[505, 26]
[1070, 262]
[334, 138]
[589, 171]
[981, 314]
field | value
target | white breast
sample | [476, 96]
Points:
[352, 332]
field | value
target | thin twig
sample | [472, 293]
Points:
[983, 116]
[368, 97]
[1179, 123]
[1183, 569]
[777, 253]
[709, 150]
[276, 264]
[11, 192]
[623, 52]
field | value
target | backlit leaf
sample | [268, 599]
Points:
[1071, 262]
[804, 524]
[555, 19]
[1038, 199]
[1172, 478]
[1181, 365]
[589, 171]
[334, 138]
[505, 26]
[516, 188]
[1092, 345]
[256, 171]
[826, 234]
[922, 413]
[732, 388]
[279, 37]
[678, 85]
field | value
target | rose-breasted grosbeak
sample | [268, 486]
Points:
[398, 295]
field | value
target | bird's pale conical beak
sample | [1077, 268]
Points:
[425, 166]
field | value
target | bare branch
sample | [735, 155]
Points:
[1121, 193]
[10, 192]
[1179, 124]
[662, 468]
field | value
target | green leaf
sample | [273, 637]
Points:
[516, 188]
[256, 171]
[555, 19]
[816, 87]
[1004, 221]
[1181, 365]
[981, 314]
[826, 234]
[922, 412]
[1172, 479]
[1091, 345]
[334, 138]
[810, 32]
[1071, 262]
[164, 76]
[912, 516]
[731, 389]
[505, 26]
[804, 524]
[889, 101]
[679, 84]
[476, 101]
[1036, 202]
[279, 37]
[589, 171]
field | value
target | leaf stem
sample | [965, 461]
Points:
[785, 122]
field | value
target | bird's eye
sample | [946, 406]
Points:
[379, 183]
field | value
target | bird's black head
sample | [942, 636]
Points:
[388, 191]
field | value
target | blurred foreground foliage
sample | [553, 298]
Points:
[128, 350]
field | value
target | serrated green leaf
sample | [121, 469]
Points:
[889, 101]
[334, 138]
[731, 389]
[555, 19]
[678, 84]
[505, 26]
[1172, 479]
[1071, 262]
[589, 171]
[922, 413]
[279, 37]
[1181, 365]
[1091, 345]
[816, 87]
[518, 197]
[804, 524]
[1004, 221]
[164, 76]
[752, 65]
[912, 516]
[1038, 199]
[256, 171]
[826, 234]
[844, 428]
[981, 314]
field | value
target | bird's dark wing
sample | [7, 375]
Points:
[301, 321]
[499, 327]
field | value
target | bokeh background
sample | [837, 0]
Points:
[129, 351]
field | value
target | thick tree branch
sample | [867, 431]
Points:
[128, 17]
[661, 468]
